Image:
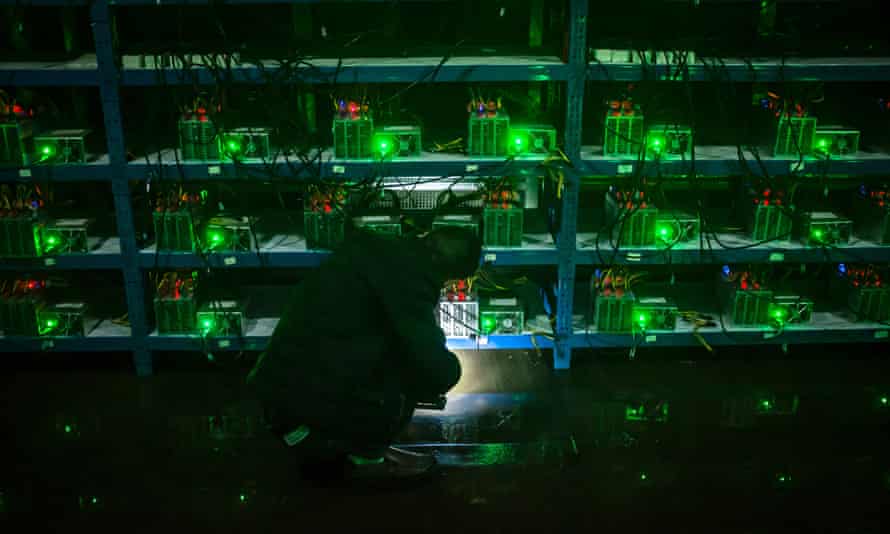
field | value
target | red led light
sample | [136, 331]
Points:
[766, 202]
[744, 284]
[32, 284]
[461, 296]
[327, 208]
[201, 111]
[461, 284]
[766, 192]
[203, 118]
[17, 108]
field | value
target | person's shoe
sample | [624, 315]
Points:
[395, 464]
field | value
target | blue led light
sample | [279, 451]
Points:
[597, 273]
[841, 268]
[726, 270]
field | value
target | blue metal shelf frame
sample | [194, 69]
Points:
[102, 71]
[109, 81]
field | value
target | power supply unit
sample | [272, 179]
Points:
[502, 227]
[675, 227]
[407, 194]
[870, 303]
[21, 235]
[770, 222]
[836, 140]
[655, 313]
[230, 234]
[500, 316]
[176, 315]
[624, 134]
[245, 144]
[61, 146]
[398, 141]
[16, 143]
[324, 230]
[794, 136]
[353, 137]
[66, 236]
[631, 219]
[221, 318]
[669, 140]
[489, 135]
[872, 214]
[18, 314]
[387, 225]
[459, 318]
[198, 138]
[470, 222]
[532, 139]
[174, 230]
[791, 309]
[613, 313]
[63, 319]
[822, 228]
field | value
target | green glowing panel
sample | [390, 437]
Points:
[18, 314]
[16, 143]
[501, 316]
[21, 236]
[669, 141]
[243, 144]
[870, 303]
[795, 136]
[175, 315]
[532, 139]
[614, 313]
[353, 138]
[64, 319]
[822, 228]
[635, 227]
[398, 142]
[489, 136]
[198, 140]
[503, 227]
[836, 141]
[385, 225]
[324, 230]
[222, 318]
[174, 230]
[770, 223]
[623, 135]
[751, 307]
[62, 146]
[655, 313]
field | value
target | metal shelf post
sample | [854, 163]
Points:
[109, 80]
[566, 243]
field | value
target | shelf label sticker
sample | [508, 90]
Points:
[882, 334]
[490, 257]
[49, 262]
[483, 340]
[472, 168]
[339, 169]
[24, 173]
[651, 339]
[214, 170]
[231, 260]
[796, 166]
[625, 168]
[776, 256]
[223, 343]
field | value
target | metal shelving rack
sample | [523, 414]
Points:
[102, 70]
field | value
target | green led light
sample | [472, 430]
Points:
[242, 498]
[94, 500]
[781, 477]
[765, 404]
[51, 323]
[488, 324]
[46, 150]
[884, 400]
[207, 324]
[644, 476]
[233, 146]
[518, 141]
[817, 234]
[68, 429]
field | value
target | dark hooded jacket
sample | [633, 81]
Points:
[357, 334]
